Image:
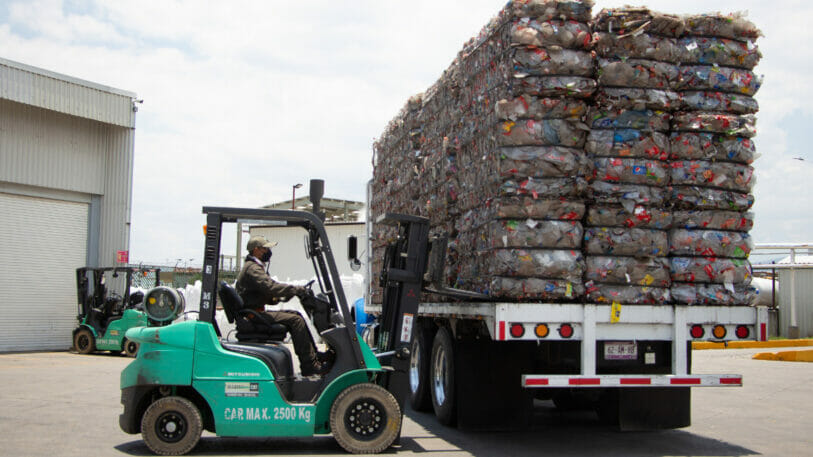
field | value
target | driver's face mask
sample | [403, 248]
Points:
[266, 256]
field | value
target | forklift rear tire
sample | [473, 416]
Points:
[171, 426]
[365, 419]
[419, 396]
[84, 342]
[442, 377]
[130, 348]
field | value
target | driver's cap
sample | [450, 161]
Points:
[259, 242]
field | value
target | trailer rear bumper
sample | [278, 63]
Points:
[531, 381]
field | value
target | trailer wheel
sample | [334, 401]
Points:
[419, 397]
[442, 382]
[365, 419]
[84, 341]
[130, 348]
[171, 426]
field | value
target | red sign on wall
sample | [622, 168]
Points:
[123, 256]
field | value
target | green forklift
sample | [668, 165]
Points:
[105, 315]
[187, 378]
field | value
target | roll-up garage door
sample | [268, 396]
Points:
[42, 242]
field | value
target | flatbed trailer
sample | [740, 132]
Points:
[480, 364]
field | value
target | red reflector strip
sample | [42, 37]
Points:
[730, 380]
[763, 332]
[685, 381]
[502, 330]
[635, 381]
[536, 382]
[584, 381]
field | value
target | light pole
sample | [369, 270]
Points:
[293, 198]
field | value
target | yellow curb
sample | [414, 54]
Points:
[700, 345]
[786, 356]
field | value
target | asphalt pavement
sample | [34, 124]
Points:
[66, 404]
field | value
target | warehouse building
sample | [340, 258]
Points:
[66, 173]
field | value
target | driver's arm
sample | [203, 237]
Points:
[272, 290]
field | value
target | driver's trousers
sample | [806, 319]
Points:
[300, 335]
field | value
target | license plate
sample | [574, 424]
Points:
[620, 350]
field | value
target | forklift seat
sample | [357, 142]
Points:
[251, 325]
[276, 356]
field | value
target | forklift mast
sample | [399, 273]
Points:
[405, 262]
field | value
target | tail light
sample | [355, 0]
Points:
[742, 332]
[565, 330]
[517, 330]
[697, 331]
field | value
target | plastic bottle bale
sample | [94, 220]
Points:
[601, 117]
[535, 289]
[531, 107]
[553, 86]
[734, 26]
[543, 162]
[717, 101]
[641, 271]
[521, 208]
[713, 294]
[717, 78]
[530, 234]
[554, 132]
[632, 171]
[637, 99]
[552, 61]
[743, 125]
[546, 10]
[714, 220]
[709, 243]
[706, 198]
[724, 175]
[618, 241]
[627, 195]
[709, 146]
[535, 32]
[533, 263]
[704, 50]
[713, 270]
[545, 188]
[638, 73]
[637, 46]
[637, 20]
[627, 294]
[618, 216]
[627, 143]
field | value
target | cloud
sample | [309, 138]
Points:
[244, 99]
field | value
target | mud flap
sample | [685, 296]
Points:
[489, 388]
[643, 409]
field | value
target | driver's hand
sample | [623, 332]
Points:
[301, 291]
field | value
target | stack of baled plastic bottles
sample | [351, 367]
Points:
[570, 159]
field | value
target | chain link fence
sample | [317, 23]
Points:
[170, 276]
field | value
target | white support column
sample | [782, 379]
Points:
[589, 341]
[680, 337]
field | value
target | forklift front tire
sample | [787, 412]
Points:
[171, 426]
[83, 341]
[365, 419]
[130, 348]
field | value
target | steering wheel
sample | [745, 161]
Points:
[309, 285]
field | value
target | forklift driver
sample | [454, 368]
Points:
[256, 288]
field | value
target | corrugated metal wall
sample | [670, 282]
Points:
[804, 302]
[44, 89]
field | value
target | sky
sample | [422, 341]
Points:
[244, 99]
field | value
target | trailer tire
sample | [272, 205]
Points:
[83, 341]
[442, 377]
[365, 419]
[419, 397]
[171, 426]
[130, 348]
